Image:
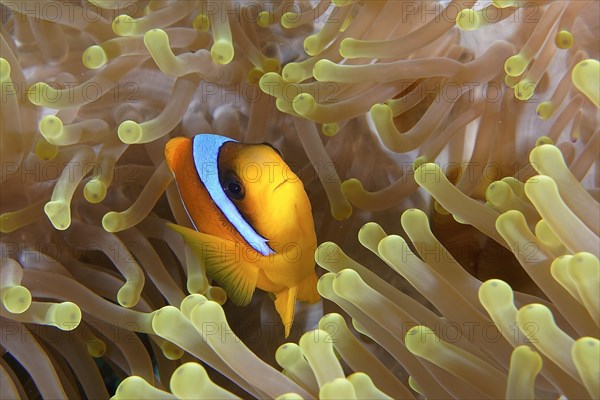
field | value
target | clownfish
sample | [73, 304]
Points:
[252, 218]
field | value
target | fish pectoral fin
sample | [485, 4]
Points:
[285, 302]
[307, 289]
[224, 262]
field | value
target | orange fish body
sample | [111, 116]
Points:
[253, 220]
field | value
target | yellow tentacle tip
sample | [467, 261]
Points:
[564, 40]
[191, 301]
[525, 364]
[347, 47]
[515, 65]
[95, 347]
[545, 110]
[586, 353]
[191, 381]
[504, 3]
[254, 75]
[511, 81]
[468, 20]
[38, 92]
[311, 45]
[498, 193]
[4, 70]
[524, 90]
[289, 396]
[417, 337]
[51, 127]
[324, 70]
[341, 211]
[346, 24]
[129, 294]
[327, 252]
[171, 351]
[324, 285]
[65, 316]
[339, 388]
[351, 187]
[265, 19]
[112, 222]
[201, 23]
[16, 299]
[303, 104]
[428, 172]
[534, 312]
[418, 162]
[586, 78]
[412, 217]
[94, 57]
[94, 191]
[494, 293]
[186, 379]
[156, 35]
[135, 387]
[270, 64]
[290, 20]
[130, 132]
[59, 214]
[123, 25]
[342, 3]
[331, 320]
[285, 106]
[46, 150]
[542, 140]
[381, 112]
[346, 281]
[222, 52]
[269, 82]
[292, 72]
[107, 4]
[330, 129]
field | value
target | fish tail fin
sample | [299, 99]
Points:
[285, 303]
[307, 289]
[172, 150]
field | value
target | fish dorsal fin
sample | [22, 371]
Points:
[225, 262]
[171, 151]
[285, 303]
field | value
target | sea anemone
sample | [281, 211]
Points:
[479, 120]
[464, 348]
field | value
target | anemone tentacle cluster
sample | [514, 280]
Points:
[484, 114]
[485, 340]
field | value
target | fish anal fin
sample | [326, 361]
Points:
[284, 270]
[307, 289]
[172, 150]
[224, 262]
[285, 302]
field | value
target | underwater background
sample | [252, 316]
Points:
[449, 149]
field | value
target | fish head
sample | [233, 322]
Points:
[266, 192]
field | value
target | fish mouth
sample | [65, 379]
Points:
[280, 184]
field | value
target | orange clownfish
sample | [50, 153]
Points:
[252, 218]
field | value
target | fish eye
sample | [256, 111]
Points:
[234, 189]
[274, 148]
[232, 186]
